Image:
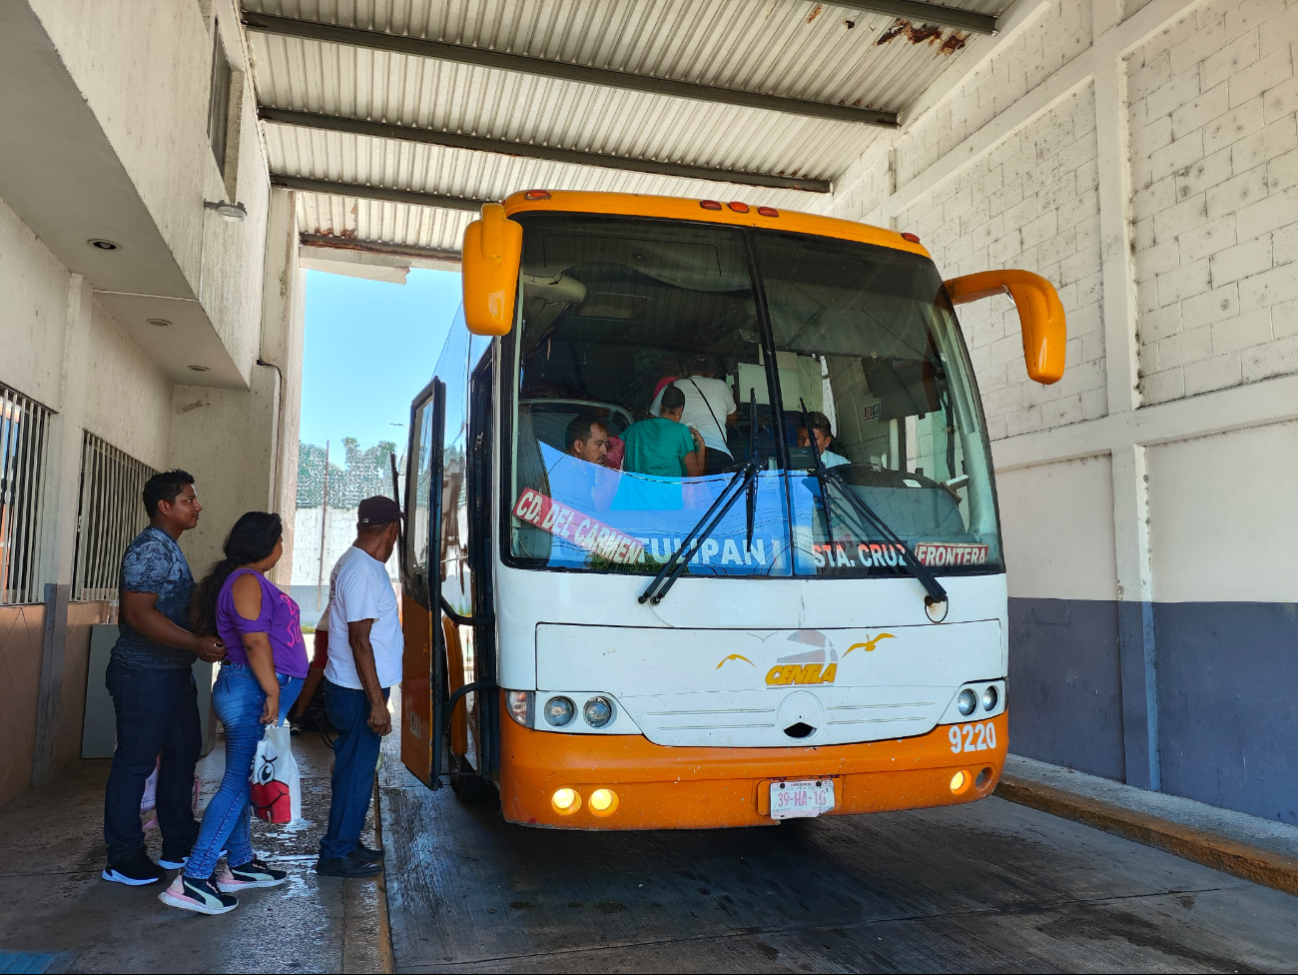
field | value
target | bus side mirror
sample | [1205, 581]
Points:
[1041, 315]
[492, 251]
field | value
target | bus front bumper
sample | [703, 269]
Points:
[662, 787]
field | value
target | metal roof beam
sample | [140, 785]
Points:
[929, 13]
[453, 140]
[441, 51]
[380, 193]
[378, 247]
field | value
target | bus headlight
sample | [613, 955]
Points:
[598, 712]
[519, 705]
[967, 701]
[559, 711]
[990, 697]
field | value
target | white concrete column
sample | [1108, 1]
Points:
[1137, 646]
[281, 350]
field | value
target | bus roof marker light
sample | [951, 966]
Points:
[738, 207]
[536, 195]
[603, 802]
[768, 212]
[566, 801]
[910, 237]
[709, 204]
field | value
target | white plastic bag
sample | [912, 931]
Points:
[276, 785]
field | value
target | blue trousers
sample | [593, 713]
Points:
[237, 700]
[356, 753]
[157, 712]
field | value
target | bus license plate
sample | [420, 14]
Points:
[791, 800]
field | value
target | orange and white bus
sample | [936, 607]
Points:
[785, 597]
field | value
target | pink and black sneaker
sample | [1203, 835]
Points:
[254, 873]
[200, 896]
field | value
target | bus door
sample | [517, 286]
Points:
[486, 705]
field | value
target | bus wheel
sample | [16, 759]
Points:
[467, 784]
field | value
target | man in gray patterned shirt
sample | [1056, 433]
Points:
[154, 693]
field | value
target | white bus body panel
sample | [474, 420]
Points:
[563, 630]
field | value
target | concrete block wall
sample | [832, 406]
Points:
[1213, 115]
[1143, 159]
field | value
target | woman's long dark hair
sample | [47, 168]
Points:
[252, 539]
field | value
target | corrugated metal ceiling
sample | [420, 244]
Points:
[789, 48]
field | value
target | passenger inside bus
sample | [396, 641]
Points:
[588, 439]
[709, 408]
[663, 446]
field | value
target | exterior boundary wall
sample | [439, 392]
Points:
[1146, 164]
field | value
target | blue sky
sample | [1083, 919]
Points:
[369, 348]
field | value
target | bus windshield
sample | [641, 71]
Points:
[655, 358]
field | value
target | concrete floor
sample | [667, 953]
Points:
[52, 899]
[988, 887]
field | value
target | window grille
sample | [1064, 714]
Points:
[110, 514]
[24, 430]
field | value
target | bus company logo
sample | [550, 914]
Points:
[816, 665]
[782, 674]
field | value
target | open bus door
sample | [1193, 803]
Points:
[435, 686]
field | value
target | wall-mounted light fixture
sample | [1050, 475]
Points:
[160, 322]
[198, 368]
[234, 212]
[99, 244]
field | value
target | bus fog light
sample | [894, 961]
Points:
[598, 712]
[966, 702]
[519, 704]
[603, 802]
[959, 782]
[984, 779]
[559, 711]
[566, 801]
[990, 697]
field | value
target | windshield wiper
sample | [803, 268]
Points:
[746, 479]
[824, 475]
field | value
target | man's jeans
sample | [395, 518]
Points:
[356, 753]
[237, 700]
[157, 712]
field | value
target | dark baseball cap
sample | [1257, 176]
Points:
[378, 510]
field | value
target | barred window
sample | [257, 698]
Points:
[24, 430]
[110, 514]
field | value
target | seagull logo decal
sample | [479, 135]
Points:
[736, 656]
[871, 644]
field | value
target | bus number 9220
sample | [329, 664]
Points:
[972, 737]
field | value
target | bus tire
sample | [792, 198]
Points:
[467, 784]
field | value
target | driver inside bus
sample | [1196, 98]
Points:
[825, 442]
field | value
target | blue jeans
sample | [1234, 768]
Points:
[237, 700]
[157, 712]
[356, 753]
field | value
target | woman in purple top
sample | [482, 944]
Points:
[259, 681]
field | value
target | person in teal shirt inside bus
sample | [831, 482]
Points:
[662, 445]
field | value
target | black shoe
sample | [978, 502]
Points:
[350, 865]
[254, 873]
[134, 871]
[368, 854]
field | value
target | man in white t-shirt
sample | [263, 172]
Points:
[709, 409]
[365, 649]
